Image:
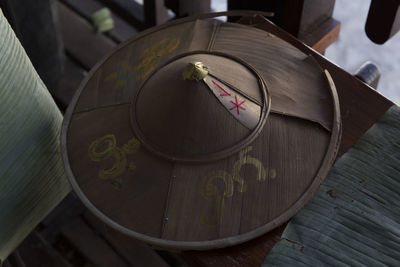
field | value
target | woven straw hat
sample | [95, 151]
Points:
[200, 134]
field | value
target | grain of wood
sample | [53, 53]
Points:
[322, 37]
[91, 245]
[130, 11]
[135, 252]
[70, 208]
[36, 251]
[80, 40]
[121, 31]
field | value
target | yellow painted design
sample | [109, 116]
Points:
[111, 76]
[132, 146]
[150, 58]
[209, 190]
[115, 77]
[272, 173]
[117, 169]
[119, 84]
[126, 66]
[104, 148]
[118, 77]
[106, 142]
[244, 159]
[152, 55]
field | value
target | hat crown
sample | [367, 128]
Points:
[193, 119]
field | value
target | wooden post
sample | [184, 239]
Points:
[154, 12]
[183, 8]
[295, 16]
[309, 20]
[383, 20]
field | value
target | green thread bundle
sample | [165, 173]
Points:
[102, 20]
[32, 178]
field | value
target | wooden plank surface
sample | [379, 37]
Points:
[61, 236]
[155, 12]
[323, 36]
[36, 251]
[133, 251]
[70, 208]
[14, 260]
[81, 40]
[130, 11]
[92, 247]
[121, 31]
[8, 264]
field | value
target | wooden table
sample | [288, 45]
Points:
[360, 107]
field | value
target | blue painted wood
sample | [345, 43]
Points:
[354, 220]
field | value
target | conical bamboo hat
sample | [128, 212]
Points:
[201, 134]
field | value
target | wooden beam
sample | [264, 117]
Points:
[130, 11]
[322, 37]
[36, 251]
[121, 31]
[155, 12]
[81, 40]
[383, 20]
[92, 247]
[294, 16]
[183, 8]
[133, 251]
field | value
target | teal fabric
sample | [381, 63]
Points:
[354, 219]
[32, 178]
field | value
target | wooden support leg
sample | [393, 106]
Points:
[383, 20]
[154, 12]
[183, 8]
